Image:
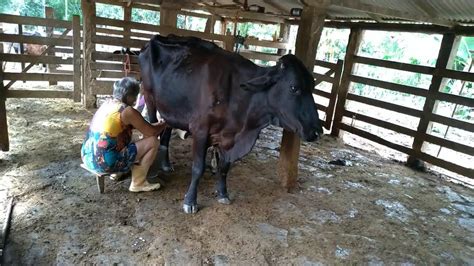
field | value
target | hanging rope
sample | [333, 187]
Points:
[126, 65]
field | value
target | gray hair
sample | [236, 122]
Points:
[125, 87]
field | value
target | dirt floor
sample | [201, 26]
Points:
[372, 210]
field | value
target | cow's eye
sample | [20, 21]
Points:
[294, 89]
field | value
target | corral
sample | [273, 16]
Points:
[371, 209]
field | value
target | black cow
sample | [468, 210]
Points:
[224, 100]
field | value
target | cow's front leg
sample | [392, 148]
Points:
[199, 156]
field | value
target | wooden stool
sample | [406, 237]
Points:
[100, 178]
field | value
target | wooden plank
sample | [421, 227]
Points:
[4, 141]
[380, 123]
[37, 77]
[34, 39]
[102, 87]
[394, 65]
[109, 31]
[325, 64]
[127, 16]
[333, 97]
[355, 38]
[468, 172]
[457, 99]
[254, 16]
[385, 105]
[131, 24]
[322, 77]
[110, 66]
[35, 58]
[22, 51]
[452, 122]
[76, 27]
[271, 44]
[88, 31]
[453, 145]
[445, 54]
[375, 138]
[259, 56]
[322, 93]
[389, 86]
[117, 41]
[49, 13]
[133, 5]
[113, 74]
[34, 21]
[307, 40]
[322, 108]
[452, 74]
[106, 56]
[64, 50]
[39, 94]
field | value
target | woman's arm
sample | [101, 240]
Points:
[132, 117]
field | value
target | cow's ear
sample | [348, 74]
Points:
[258, 84]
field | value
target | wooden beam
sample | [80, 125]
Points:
[168, 15]
[34, 21]
[76, 45]
[333, 97]
[39, 94]
[445, 55]
[4, 141]
[88, 32]
[355, 38]
[309, 34]
[49, 13]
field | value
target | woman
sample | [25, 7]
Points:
[108, 147]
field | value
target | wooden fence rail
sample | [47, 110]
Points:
[426, 116]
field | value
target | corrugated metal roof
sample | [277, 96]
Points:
[457, 11]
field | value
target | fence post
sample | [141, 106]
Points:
[352, 47]
[76, 46]
[127, 17]
[4, 142]
[50, 33]
[88, 13]
[445, 58]
[333, 97]
[22, 48]
[307, 40]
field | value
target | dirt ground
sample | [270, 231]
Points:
[371, 211]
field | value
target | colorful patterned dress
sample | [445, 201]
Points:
[107, 147]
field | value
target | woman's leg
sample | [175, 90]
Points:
[146, 153]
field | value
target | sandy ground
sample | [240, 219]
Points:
[372, 210]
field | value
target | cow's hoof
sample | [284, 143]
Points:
[190, 208]
[225, 201]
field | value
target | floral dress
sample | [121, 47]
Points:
[107, 147]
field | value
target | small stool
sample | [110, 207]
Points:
[100, 178]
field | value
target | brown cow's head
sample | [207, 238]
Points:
[288, 87]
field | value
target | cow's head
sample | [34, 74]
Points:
[288, 87]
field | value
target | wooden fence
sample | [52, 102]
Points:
[69, 43]
[426, 116]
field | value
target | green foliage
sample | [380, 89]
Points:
[145, 16]
[109, 11]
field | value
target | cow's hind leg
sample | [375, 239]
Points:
[199, 157]
[222, 169]
[163, 152]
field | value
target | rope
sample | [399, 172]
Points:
[126, 65]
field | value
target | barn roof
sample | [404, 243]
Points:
[439, 12]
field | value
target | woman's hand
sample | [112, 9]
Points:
[132, 117]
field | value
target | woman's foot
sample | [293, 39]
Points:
[144, 187]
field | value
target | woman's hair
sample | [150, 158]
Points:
[125, 87]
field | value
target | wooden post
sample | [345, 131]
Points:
[210, 24]
[50, 32]
[445, 58]
[127, 17]
[4, 142]
[309, 33]
[22, 48]
[284, 35]
[334, 90]
[352, 47]
[88, 14]
[76, 46]
[168, 14]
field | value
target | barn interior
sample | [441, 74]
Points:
[354, 196]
